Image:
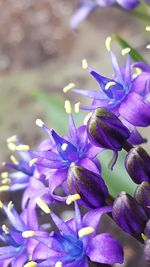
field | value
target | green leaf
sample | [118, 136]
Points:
[135, 55]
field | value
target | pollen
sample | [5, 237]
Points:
[10, 205]
[39, 123]
[22, 148]
[4, 188]
[64, 146]
[144, 237]
[30, 264]
[109, 84]
[125, 51]
[32, 161]
[85, 231]
[5, 229]
[147, 28]
[72, 198]
[42, 204]
[6, 181]
[58, 264]
[87, 117]
[4, 175]
[14, 160]
[11, 146]
[148, 46]
[77, 107]
[108, 43]
[68, 87]
[1, 204]
[138, 71]
[68, 107]
[12, 139]
[27, 234]
[84, 64]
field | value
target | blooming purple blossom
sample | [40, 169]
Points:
[78, 241]
[85, 7]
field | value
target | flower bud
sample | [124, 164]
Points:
[106, 130]
[142, 195]
[138, 165]
[129, 215]
[89, 185]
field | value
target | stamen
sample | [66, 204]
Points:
[10, 205]
[147, 28]
[12, 139]
[11, 146]
[30, 264]
[42, 204]
[68, 107]
[109, 84]
[32, 161]
[5, 229]
[14, 160]
[64, 146]
[84, 64]
[138, 71]
[4, 175]
[148, 46]
[22, 148]
[87, 117]
[85, 231]
[39, 123]
[4, 188]
[108, 43]
[58, 264]
[77, 107]
[68, 87]
[27, 234]
[6, 181]
[125, 51]
[72, 198]
[144, 237]
[1, 204]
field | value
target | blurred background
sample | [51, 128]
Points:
[40, 54]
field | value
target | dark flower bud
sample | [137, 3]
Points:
[129, 215]
[142, 195]
[138, 165]
[106, 130]
[89, 185]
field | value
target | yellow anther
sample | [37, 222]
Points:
[5, 229]
[138, 71]
[30, 264]
[85, 231]
[87, 117]
[27, 234]
[68, 107]
[72, 198]
[144, 237]
[125, 51]
[14, 160]
[77, 107]
[4, 188]
[12, 139]
[4, 175]
[39, 123]
[12, 146]
[64, 146]
[148, 46]
[42, 204]
[22, 148]
[147, 28]
[68, 87]
[109, 84]
[1, 204]
[32, 161]
[6, 181]
[10, 205]
[108, 43]
[58, 264]
[84, 64]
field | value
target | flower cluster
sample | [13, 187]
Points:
[66, 169]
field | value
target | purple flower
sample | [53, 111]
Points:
[77, 241]
[85, 7]
[124, 95]
[18, 237]
[59, 152]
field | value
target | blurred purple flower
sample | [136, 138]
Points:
[77, 241]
